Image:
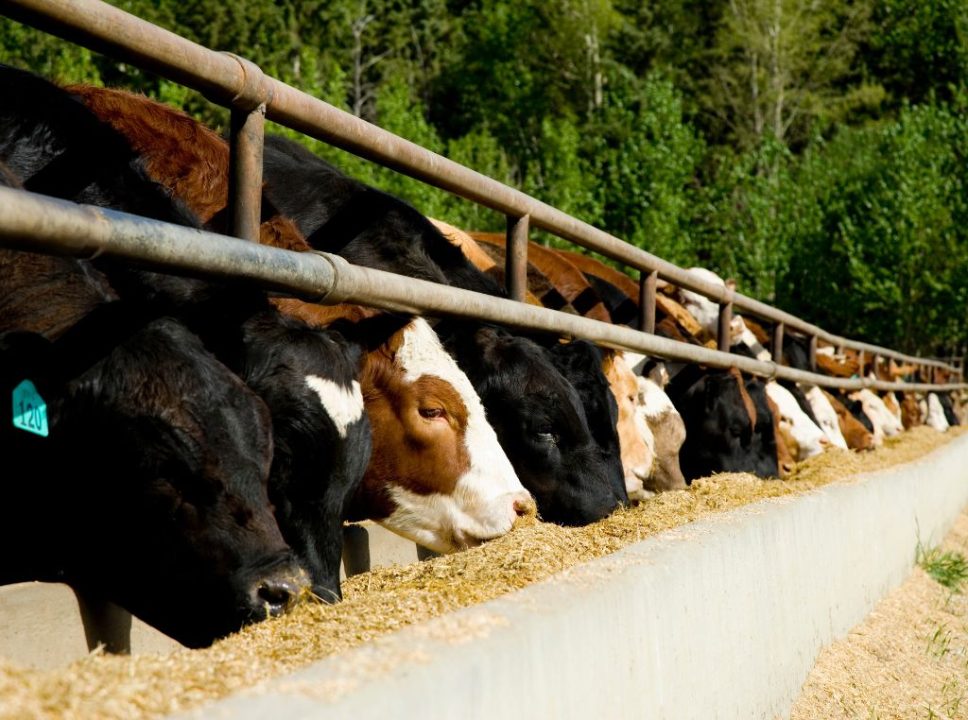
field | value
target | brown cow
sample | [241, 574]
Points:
[638, 456]
[857, 436]
[437, 474]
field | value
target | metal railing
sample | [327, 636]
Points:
[252, 96]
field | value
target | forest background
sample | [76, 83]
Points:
[814, 150]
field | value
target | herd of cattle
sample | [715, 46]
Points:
[204, 442]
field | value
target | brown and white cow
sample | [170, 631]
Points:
[855, 434]
[437, 474]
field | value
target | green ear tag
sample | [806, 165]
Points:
[29, 409]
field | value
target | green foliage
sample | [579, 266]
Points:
[949, 568]
[813, 150]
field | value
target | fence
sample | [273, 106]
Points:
[31, 222]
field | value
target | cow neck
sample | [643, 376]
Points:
[366, 207]
[96, 335]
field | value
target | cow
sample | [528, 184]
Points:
[148, 486]
[437, 474]
[668, 432]
[725, 431]
[949, 410]
[910, 410]
[857, 434]
[809, 438]
[826, 416]
[636, 440]
[935, 416]
[883, 421]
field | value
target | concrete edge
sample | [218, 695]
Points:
[721, 618]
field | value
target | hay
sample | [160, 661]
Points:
[391, 598]
[906, 660]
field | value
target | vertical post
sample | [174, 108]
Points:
[875, 362]
[778, 343]
[247, 132]
[647, 284]
[813, 353]
[725, 320]
[516, 257]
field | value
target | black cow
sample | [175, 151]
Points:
[948, 406]
[720, 432]
[368, 227]
[149, 488]
[56, 144]
[542, 426]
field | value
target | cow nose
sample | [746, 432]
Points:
[277, 593]
[825, 442]
[786, 468]
[524, 505]
[642, 472]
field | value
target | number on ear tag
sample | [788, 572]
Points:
[29, 409]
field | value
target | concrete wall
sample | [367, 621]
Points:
[722, 618]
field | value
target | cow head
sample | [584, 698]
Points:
[635, 438]
[321, 435]
[580, 363]
[807, 436]
[437, 474]
[826, 416]
[856, 434]
[725, 431]
[668, 433]
[935, 415]
[152, 487]
[541, 424]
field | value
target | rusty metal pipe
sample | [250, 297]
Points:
[647, 288]
[516, 258]
[247, 134]
[41, 224]
[778, 343]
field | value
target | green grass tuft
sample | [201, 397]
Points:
[949, 568]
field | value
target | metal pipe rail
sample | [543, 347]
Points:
[241, 85]
[37, 223]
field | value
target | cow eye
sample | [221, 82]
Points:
[432, 413]
[547, 437]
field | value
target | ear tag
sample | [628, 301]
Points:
[29, 409]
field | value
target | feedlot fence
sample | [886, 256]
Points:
[33, 222]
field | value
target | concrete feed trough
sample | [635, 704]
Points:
[721, 618]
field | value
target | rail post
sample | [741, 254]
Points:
[813, 353]
[724, 339]
[246, 143]
[647, 285]
[875, 363]
[516, 257]
[778, 343]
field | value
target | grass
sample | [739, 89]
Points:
[949, 568]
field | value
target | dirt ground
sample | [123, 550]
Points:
[908, 659]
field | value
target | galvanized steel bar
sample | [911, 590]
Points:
[647, 289]
[102, 27]
[516, 258]
[37, 223]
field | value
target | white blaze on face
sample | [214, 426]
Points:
[746, 337]
[482, 505]
[344, 405]
[881, 418]
[809, 438]
[826, 416]
[894, 407]
[935, 414]
[702, 308]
